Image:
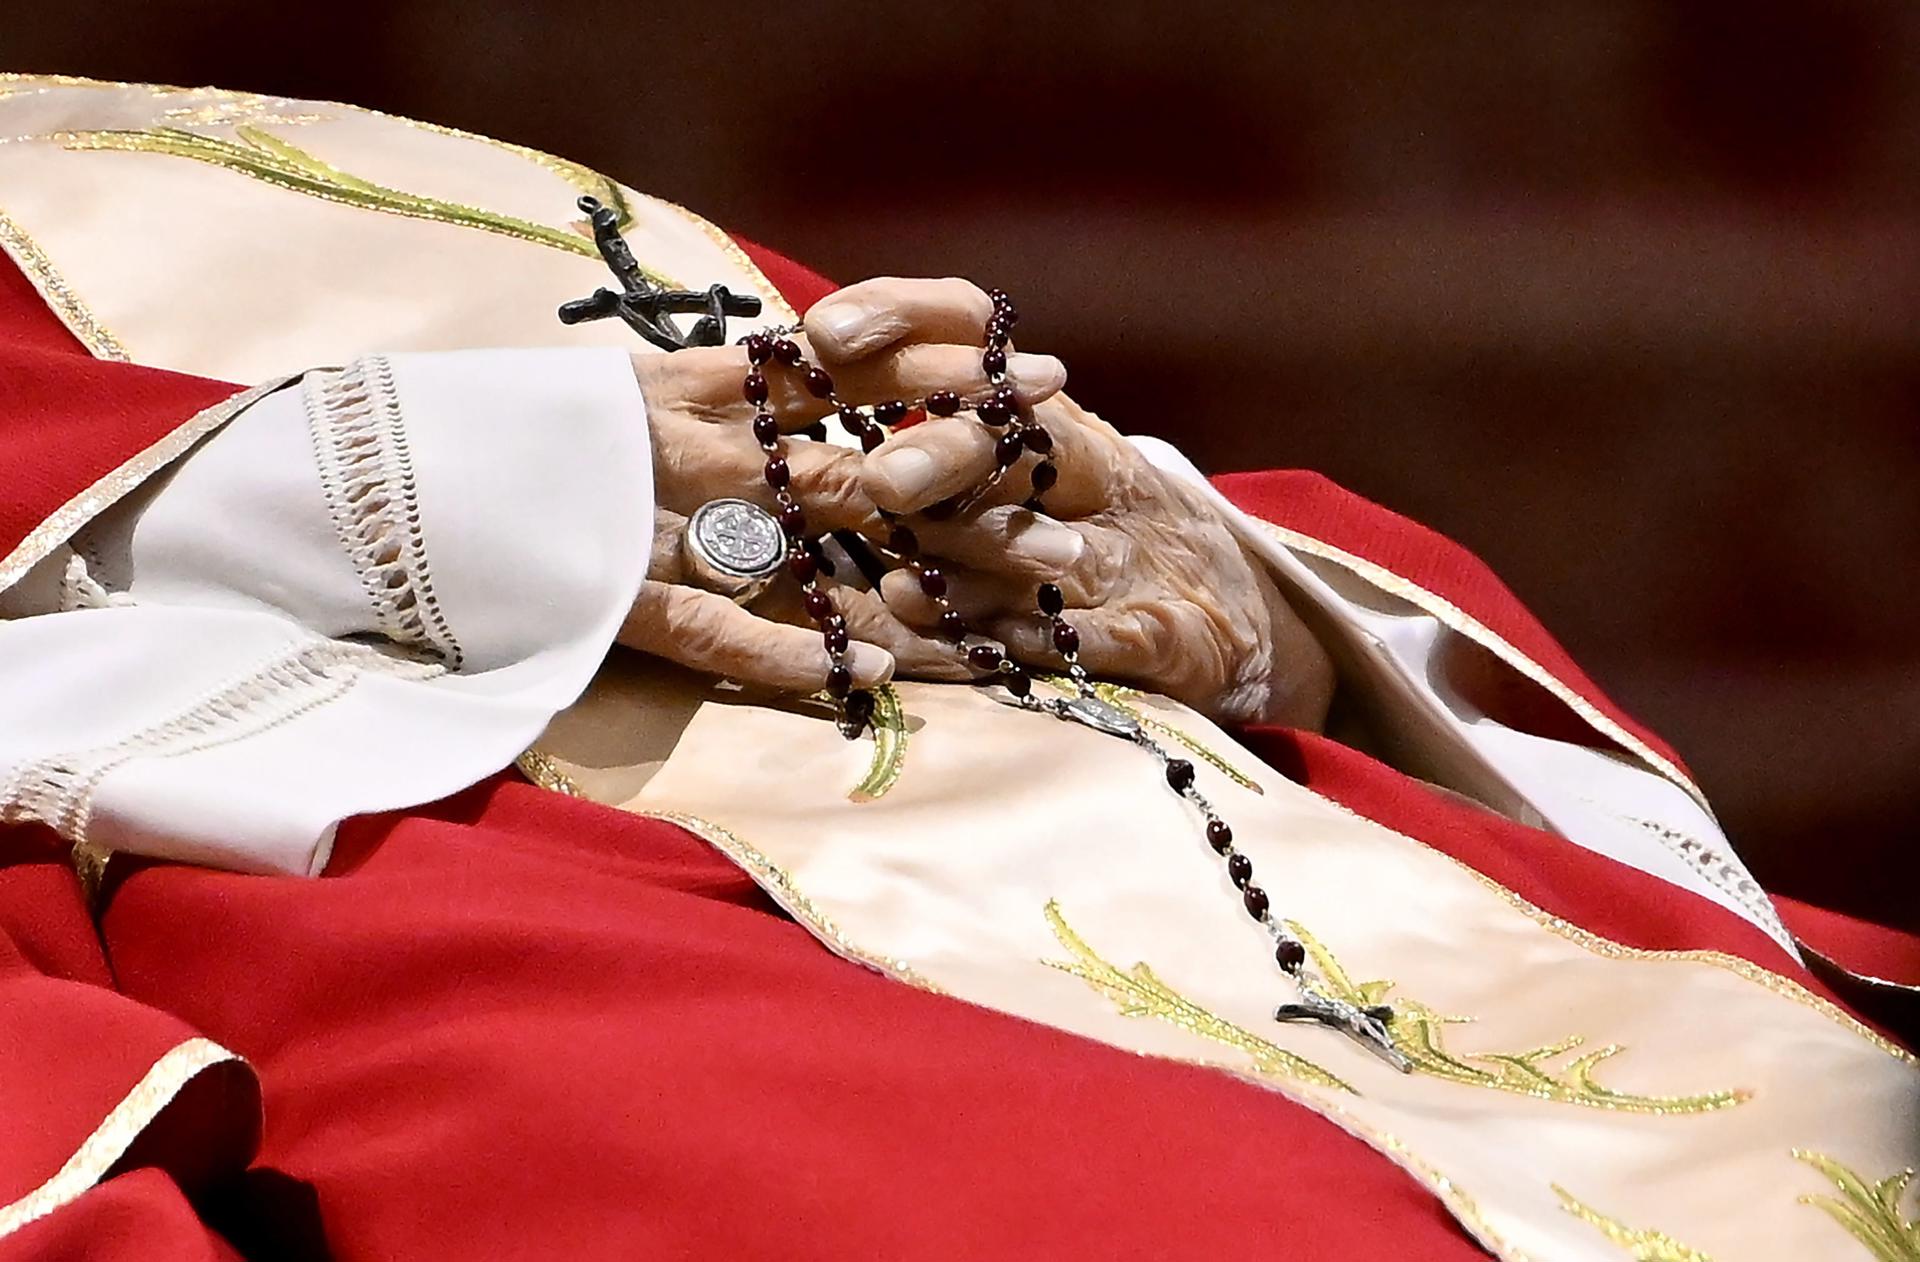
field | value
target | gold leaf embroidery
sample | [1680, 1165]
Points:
[1138, 992]
[889, 745]
[1870, 1213]
[1643, 1246]
[1117, 696]
[261, 155]
[1418, 1032]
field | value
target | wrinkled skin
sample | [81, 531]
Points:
[1156, 583]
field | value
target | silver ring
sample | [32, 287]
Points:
[734, 548]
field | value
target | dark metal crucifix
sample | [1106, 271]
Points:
[648, 309]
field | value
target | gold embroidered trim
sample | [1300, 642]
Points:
[60, 296]
[1416, 1031]
[259, 154]
[1466, 624]
[103, 494]
[1118, 696]
[1644, 1246]
[117, 1131]
[1139, 992]
[889, 746]
[780, 887]
[1870, 1213]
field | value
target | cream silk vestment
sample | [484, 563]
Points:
[340, 655]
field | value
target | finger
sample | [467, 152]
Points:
[873, 620]
[694, 462]
[946, 457]
[867, 317]
[664, 563]
[709, 381]
[976, 596]
[709, 633]
[1089, 562]
[1168, 643]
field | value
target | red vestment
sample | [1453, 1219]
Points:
[517, 1025]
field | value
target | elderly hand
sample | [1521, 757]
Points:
[704, 449]
[1161, 591]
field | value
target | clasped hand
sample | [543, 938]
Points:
[1158, 586]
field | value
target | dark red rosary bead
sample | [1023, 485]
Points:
[943, 403]
[1290, 955]
[1018, 682]
[819, 383]
[755, 388]
[839, 679]
[1256, 900]
[759, 348]
[802, 566]
[836, 639]
[1038, 440]
[1180, 774]
[892, 412]
[778, 474]
[766, 430]
[1240, 870]
[819, 604]
[787, 351]
[993, 411]
[994, 361]
[1053, 602]
[1045, 475]
[793, 520]
[1219, 836]
[1066, 639]
[984, 657]
[902, 540]
[871, 437]
[952, 625]
[1007, 449]
[850, 418]
[858, 707]
[933, 582]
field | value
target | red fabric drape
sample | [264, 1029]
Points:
[66, 418]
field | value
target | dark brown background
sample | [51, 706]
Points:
[1625, 296]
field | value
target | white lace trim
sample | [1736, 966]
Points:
[79, 589]
[58, 791]
[366, 471]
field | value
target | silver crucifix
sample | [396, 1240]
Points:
[1366, 1026]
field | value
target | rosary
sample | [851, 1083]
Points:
[739, 548]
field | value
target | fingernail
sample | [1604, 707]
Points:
[1034, 377]
[847, 324]
[869, 663]
[1048, 543]
[907, 471]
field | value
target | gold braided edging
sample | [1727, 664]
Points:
[60, 526]
[117, 1131]
[58, 294]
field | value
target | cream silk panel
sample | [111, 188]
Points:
[1045, 895]
[465, 243]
